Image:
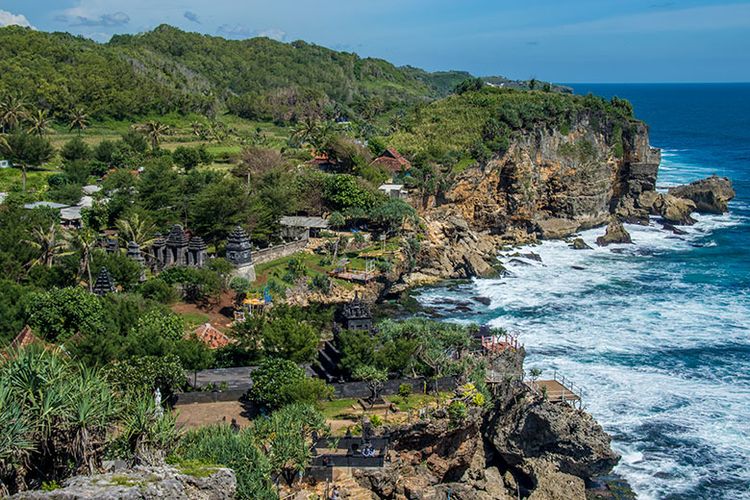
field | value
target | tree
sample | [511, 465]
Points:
[50, 244]
[160, 323]
[136, 227]
[290, 339]
[285, 439]
[55, 417]
[374, 377]
[60, 313]
[144, 374]
[25, 149]
[273, 381]
[75, 150]
[12, 112]
[154, 131]
[79, 120]
[187, 158]
[256, 161]
[39, 122]
[83, 243]
[392, 214]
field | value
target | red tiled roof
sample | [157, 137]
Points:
[210, 336]
[25, 338]
[392, 160]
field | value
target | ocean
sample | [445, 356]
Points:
[657, 333]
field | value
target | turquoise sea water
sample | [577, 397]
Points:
[657, 333]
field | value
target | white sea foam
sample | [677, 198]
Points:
[648, 345]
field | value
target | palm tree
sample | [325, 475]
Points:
[306, 131]
[155, 131]
[79, 120]
[82, 242]
[50, 244]
[137, 228]
[12, 112]
[39, 122]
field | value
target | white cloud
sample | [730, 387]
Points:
[10, 19]
[272, 33]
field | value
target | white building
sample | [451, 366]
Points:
[394, 190]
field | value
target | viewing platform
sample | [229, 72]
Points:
[558, 390]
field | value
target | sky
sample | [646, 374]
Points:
[568, 41]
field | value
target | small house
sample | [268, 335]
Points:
[392, 161]
[299, 227]
[394, 191]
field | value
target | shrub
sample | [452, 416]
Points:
[457, 412]
[219, 444]
[159, 290]
[404, 390]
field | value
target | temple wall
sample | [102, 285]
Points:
[278, 251]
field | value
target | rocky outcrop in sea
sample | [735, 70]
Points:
[521, 446]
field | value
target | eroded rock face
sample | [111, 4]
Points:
[615, 233]
[554, 184]
[143, 483]
[529, 427]
[710, 195]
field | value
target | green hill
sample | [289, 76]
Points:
[169, 70]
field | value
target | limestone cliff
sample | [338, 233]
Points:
[577, 179]
[520, 446]
[548, 184]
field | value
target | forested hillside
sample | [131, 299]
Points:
[168, 70]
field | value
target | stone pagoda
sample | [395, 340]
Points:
[176, 248]
[196, 254]
[240, 253]
[239, 248]
[356, 315]
[104, 283]
[134, 252]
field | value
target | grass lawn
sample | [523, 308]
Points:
[341, 409]
[194, 319]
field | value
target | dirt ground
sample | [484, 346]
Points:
[200, 414]
[219, 315]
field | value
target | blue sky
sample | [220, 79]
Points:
[558, 40]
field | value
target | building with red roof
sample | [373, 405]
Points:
[210, 336]
[392, 160]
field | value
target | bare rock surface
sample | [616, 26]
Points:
[143, 483]
[615, 233]
[710, 195]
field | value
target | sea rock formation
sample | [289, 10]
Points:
[523, 445]
[615, 233]
[579, 244]
[144, 483]
[710, 195]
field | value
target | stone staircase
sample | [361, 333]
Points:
[327, 366]
[348, 487]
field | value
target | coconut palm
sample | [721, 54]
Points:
[155, 131]
[306, 131]
[50, 243]
[82, 242]
[79, 120]
[138, 228]
[39, 122]
[12, 112]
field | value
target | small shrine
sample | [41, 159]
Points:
[178, 249]
[356, 315]
[104, 283]
[239, 248]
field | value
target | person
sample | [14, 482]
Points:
[335, 495]
[234, 425]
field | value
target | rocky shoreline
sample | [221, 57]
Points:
[522, 446]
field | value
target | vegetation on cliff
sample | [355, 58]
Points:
[483, 121]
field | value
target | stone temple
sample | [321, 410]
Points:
[178, 250]
[240, 253]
